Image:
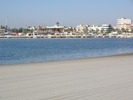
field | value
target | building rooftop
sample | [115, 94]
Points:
[55, 26]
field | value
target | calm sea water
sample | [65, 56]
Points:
[13, 51]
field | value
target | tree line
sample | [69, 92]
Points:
[107, 31]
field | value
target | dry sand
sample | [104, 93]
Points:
[102, 78]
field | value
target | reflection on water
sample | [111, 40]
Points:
[14, 51]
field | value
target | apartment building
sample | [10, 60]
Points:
[123, 23]
[95, 28]
[82, 28]
[104, 27]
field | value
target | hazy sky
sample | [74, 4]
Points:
[22, 13]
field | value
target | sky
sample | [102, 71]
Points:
[24, 13]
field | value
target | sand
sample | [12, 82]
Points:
[101, 78]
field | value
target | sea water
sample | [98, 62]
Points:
[14, 51]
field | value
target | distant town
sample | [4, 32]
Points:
[124, 28]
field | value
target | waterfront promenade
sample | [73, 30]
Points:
[100, 78]
[71, 36]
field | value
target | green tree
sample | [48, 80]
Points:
[108, 31]
[74, 29]
[90, 31]
[57, 23]
[123, 30]
[118, 30]
[32, 30]
[35, 27]
[39, 27]
[97, 30]
[62, 29]
[78, 30]
[3, 27]
[127, 30]
[93, 30]
[112, 29]
[14, 30]
[20, 30]
[102, 30]
[27, 30]
[66, 30]
[84, 30]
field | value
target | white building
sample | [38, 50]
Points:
[55, 26]
[82, 28]
[95, 28]
[31, 28]
[51, 29]
[122, 22]
[106, 27]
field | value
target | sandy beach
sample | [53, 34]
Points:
[100, 78]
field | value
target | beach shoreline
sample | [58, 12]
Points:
[98, 78]
[124, 54]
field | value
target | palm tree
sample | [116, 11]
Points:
[97, 30]
[62, 29]
[108, 31]
[74, 29]
[116, 29]
[112, 29]
[84, 31]
[123, 30]
[40, 27]
[78, 30]
[28, 26]
[35, 27]
[90, 31]
[57, 23]
[127, 30]
[102, 30]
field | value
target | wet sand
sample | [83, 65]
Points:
[100, 78]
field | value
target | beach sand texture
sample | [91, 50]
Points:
[101, 78]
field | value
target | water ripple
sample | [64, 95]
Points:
[13, 51]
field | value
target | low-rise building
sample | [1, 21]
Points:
[130, 28]
[94, 28]
[51, 29]
[69, 29]
[106, 27]
[99, 29]
[123, 23]
[82, 28]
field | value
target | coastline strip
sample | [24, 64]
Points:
[98, 78]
